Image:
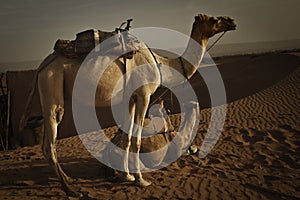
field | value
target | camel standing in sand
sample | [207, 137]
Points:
[55, 82]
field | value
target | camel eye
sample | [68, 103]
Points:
[214, 20]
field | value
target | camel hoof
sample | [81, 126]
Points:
[71, 192]
[143, 183]
[129, 177]
[74, 194]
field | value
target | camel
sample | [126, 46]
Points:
[56, 76]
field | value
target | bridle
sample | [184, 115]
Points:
[215, 42]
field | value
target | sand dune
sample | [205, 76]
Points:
[256, 157]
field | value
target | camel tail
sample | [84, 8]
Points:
[27, 110]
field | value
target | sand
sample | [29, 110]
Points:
[256, 157]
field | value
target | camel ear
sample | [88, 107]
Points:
[203, 17]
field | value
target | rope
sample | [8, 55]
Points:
[216, 40]
[182, 67]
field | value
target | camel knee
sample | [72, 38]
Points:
[136, 144]
[55, 115]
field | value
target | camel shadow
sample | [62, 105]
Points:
[29, 173]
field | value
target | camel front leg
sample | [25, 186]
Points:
[128, 126]
[142, 103]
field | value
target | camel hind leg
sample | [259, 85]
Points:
[52, 101]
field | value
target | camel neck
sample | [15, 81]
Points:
[193, 56]
[191, 59]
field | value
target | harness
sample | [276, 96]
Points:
[157, 64]
[182, 67]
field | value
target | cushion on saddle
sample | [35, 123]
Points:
[66, 48]
[89, 40]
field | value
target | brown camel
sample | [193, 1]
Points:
[56, 78]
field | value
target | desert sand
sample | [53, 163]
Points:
[256, 157]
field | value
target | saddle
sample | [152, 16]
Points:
[89, 40]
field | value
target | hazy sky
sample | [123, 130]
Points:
[29, 28]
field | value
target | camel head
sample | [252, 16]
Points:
[206, 26]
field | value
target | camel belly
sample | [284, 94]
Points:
[99, 91]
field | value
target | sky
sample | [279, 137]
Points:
[29, 28]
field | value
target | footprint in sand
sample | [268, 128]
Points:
[250, 136]
[25, 183]
[289, 128]
[276, 135]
